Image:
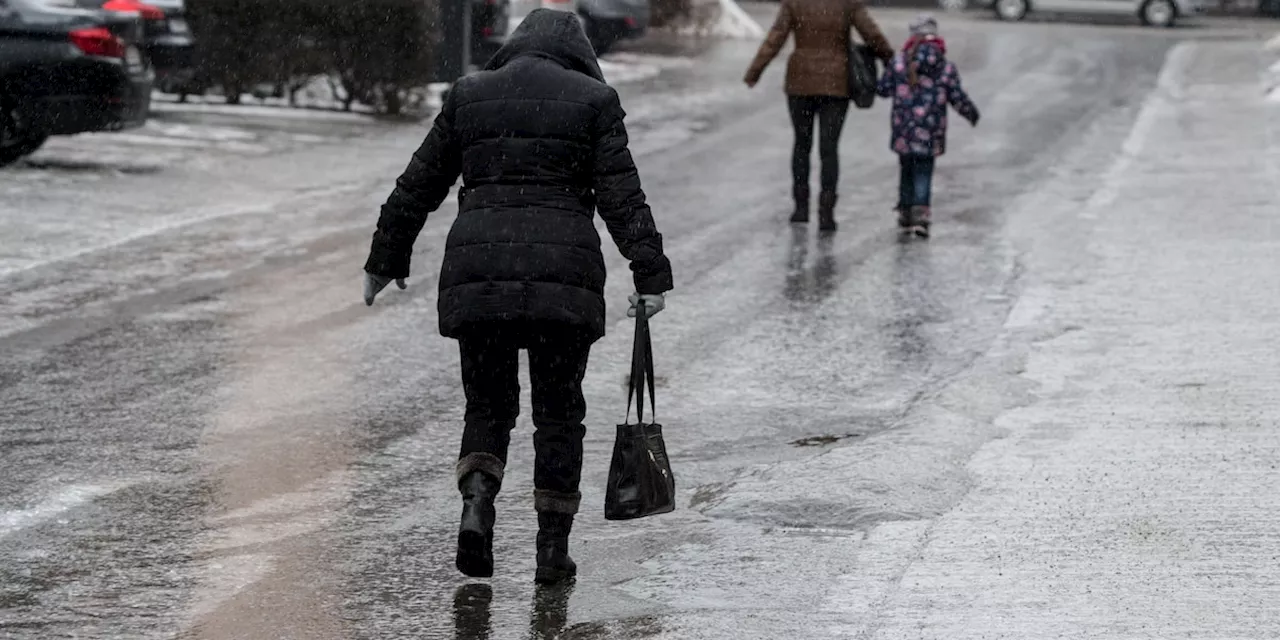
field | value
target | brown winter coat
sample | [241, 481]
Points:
[819, 65]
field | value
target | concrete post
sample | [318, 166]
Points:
[453, 58]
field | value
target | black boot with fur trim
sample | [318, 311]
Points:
[555, 522]
[554, 563]
[480, 479]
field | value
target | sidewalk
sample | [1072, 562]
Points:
[1137, 494]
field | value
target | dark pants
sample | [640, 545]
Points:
[830, 112]
[557, 363]
[915, 182]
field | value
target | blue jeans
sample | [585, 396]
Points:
[915, 182]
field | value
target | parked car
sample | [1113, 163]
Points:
[65, 70]
[1156, 13]
[607, 21]
[167, 38]
[490, 21]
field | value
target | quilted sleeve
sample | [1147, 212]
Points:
[773, 42]
[419, 191]
[956, 94]
[621, 202]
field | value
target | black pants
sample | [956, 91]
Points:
[915, 181]
[830, 112]
[557, 363]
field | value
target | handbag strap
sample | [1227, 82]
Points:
[848, 19]
[848, 22]
[641, 369]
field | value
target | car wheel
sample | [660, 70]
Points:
[32, 144]
[1159, 13]
[1012, 10]
[12, 142]
[953, 5]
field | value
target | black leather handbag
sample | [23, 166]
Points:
[640, 480]
[863, 73]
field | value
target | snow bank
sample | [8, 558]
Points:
[721, 19]
[735, 23]
[320, 98]
[166, 104]
[1274, 95]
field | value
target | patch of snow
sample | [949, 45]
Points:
[621, 68]
[1273, 44]
[1274, 95]
[185, 143]
[62, 501]
[198, 132]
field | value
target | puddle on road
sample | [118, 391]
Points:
[823, 440]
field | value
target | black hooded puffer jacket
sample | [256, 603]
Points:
[539, 141]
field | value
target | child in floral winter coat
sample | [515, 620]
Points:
[922, 83]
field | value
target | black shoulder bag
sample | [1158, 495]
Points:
[640, 479]
[862, 66]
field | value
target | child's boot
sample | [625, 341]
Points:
[921, 218]
[904, 216]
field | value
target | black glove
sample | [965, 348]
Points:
[375, 284]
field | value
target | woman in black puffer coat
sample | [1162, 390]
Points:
[539, 142]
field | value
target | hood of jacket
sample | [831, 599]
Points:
[928, 58]
[555, 35]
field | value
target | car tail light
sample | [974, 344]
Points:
[98, 42]
[147, 11]
[631, 22]
[487, 32]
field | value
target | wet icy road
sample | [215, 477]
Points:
[206, 434]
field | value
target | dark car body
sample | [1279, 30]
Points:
[608, 21]
[51, 85]
[166, 38]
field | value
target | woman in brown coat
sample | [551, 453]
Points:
[818, 86]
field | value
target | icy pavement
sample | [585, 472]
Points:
[1134, 494]
[1052, 420]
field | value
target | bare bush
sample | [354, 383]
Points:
[377, 50]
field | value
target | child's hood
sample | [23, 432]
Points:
[929, 58]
